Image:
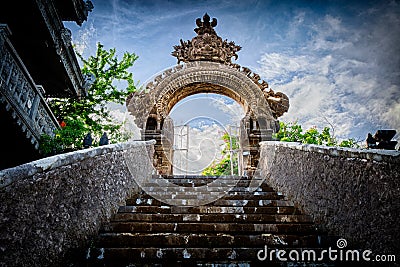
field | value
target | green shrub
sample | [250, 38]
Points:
[65, 139]
[293, 132]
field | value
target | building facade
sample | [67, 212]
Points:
[37, 61]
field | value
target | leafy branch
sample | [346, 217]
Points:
[90, 113]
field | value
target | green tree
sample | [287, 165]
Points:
[223, 166]
[293, 132]
[90, 113]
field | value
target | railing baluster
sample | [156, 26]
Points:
[34, 108]
[22, 94]
[9, 74]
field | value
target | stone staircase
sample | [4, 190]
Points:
[227, 232]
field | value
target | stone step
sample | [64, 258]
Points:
[195, 178]
[199, 227]
[154, 187]
[251, 195]
[197, 257]
[197, 263]
[214, 184]
[268, 202]
[200, 181]
[247, 194]
[207, 180]
[144, 198]
[196, 195]
[209, 209]
[194, 183]
[208, 218]
[194, 240]
[253, 203]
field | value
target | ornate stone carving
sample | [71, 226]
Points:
[278, 102]
[66, 36]
[207, 45]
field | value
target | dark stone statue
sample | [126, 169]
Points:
[104, 139]
[371, 142]
[88, 140]
[383, 138]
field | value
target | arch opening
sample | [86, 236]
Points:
[203, 122]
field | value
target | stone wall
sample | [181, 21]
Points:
[52, 208]
[354, 194]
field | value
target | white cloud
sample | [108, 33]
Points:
[279, 68]
[84, 38]
[121, 116]
[205, 145]
[231, 108]
[334, 76]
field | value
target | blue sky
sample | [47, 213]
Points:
[338, 61]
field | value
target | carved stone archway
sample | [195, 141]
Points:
[207, 69]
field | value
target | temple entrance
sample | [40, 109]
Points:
[207, 68]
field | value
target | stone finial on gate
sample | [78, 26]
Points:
[207, 45]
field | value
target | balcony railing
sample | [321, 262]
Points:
[20, 95]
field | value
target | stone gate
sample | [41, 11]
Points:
[207, 68]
